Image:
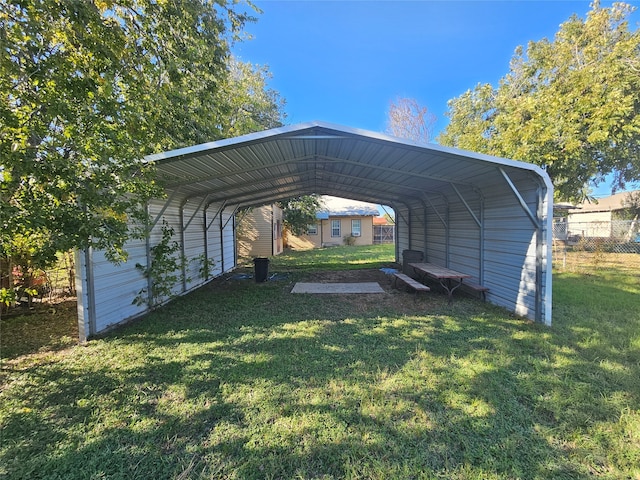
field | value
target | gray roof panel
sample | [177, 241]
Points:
[323, 158]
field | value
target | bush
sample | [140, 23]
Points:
[349, 240]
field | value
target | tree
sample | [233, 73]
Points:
[253, 106]
[300, 212]
[90, 88]
[571, 105]
[408, 119]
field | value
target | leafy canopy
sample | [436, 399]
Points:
[300, 212]
[88, 88]
[571, 105]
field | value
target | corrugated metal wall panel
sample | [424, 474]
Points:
[83, 296]
[116, 287]
[418, 228]
[510, 250]
[171, 217]
[193, 244]
[228, 241]
[436, 232]
[214, 244]
[402, 232]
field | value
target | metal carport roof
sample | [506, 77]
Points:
[322, 158]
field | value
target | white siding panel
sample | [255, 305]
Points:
[228, 241]
[402, 232]
[193, 244]
[116, 287]
[510, 250]
[82, 295]
[214, 242]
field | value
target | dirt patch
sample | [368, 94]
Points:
[351, 276]
[330, 288]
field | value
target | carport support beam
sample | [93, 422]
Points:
[183, 256]
[147, 249]
[538, 224]
[534, 219]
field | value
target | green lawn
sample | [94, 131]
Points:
[242, 380]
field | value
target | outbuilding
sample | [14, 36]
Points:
[487, 217]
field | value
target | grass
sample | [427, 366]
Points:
[43, 327]
[334, 258]
[244, 381]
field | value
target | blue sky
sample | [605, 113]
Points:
[344, 61]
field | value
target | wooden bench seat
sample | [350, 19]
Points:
[476, 287]
[416, 285]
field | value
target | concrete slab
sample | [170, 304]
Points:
[362, 287]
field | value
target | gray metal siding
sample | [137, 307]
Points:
[228, 241]
[510, 251]
[214, 245]
[402, 232]
[193, 244]
[417, 229]
[115, 287]
[436, 231]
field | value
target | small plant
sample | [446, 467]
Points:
[206, 264]
[7, 298]
[163, 269]
[349, 240]
[598, 252]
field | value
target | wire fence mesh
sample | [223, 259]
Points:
[587, 243]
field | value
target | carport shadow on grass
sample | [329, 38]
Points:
[252, 382]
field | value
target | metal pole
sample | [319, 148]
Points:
[147, 245]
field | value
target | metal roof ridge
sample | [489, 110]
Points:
[226, 142]
[288, 129]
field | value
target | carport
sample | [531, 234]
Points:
[485, 216]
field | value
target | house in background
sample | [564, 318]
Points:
[259, 232]
[605, 219]
[340, 222]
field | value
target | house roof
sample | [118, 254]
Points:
[346, 207]
[619, 201]
[380, 221]
[326, 159]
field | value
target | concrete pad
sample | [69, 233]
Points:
[363, 287]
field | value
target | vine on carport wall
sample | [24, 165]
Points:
[163, 270]
[205, 266]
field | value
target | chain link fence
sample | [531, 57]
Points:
[589, 241]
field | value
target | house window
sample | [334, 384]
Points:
[312, 229]
[356, 227]
[335, 228]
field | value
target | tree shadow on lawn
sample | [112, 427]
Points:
[249, 382]
[45, 327]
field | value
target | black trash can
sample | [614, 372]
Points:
[410, 256]
[261, 269]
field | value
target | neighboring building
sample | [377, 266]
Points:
[602, 219]
[383, 231]
[259, 232]
[340, 222]
[607, 209]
